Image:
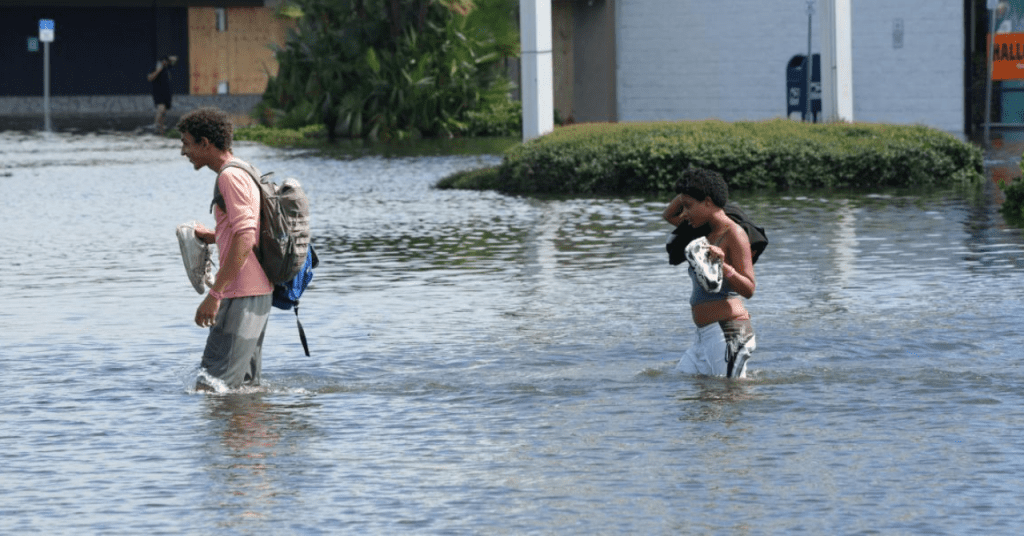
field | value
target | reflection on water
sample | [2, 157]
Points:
[247, 449]
[251, 442]
[485, 363]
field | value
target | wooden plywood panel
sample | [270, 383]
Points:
[240, 56]
[202, 50]
[251, 30]
[562, 57]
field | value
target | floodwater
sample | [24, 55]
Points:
[486, 364]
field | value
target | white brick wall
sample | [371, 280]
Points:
[699, 59]
[923, 82]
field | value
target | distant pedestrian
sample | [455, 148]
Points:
[161, 79]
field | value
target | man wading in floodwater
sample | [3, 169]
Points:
[238, 305]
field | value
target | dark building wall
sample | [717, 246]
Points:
[96, 51]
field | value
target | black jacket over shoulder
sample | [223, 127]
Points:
[684, 234]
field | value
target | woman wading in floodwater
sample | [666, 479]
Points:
[724, 339]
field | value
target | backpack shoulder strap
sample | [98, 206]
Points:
[246, 167]
[218, 199]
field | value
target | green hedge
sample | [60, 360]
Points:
[630, 158]
[1013, 204]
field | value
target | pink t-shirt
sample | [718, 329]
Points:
[242, 201]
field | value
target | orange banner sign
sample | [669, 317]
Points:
[1008, 57]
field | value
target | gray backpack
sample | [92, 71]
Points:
[284, 224]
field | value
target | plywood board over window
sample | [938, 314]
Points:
[562, 42]
[237, 59]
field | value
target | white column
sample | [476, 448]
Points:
[536, 71]
[836, 61]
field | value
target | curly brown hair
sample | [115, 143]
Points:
[210, 123]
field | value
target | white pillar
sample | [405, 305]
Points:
[536, 71]
[836, 61]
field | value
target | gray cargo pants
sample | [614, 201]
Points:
[234, 347]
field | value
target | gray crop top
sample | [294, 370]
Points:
[699, 295]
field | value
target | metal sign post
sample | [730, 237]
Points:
[46, 36]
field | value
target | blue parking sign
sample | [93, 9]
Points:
[46, 30]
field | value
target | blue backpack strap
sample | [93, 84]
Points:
[286, 295]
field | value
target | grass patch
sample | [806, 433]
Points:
[314, 138]
[302, 137]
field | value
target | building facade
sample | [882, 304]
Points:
[694, 59]
[106, 47]
[103, 50]
[614, 60]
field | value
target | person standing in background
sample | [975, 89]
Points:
[161, 79]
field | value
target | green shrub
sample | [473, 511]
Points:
[629, 158]
[503, 117]
[1013, 204]
[391, 69]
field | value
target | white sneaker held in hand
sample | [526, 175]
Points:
[709, 273]
[196, 255]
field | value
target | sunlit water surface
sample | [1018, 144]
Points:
[499, 365]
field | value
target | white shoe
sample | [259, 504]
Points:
[196, 256]
[709, 273]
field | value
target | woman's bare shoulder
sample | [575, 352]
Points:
[738, 236]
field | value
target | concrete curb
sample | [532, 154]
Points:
[124, 104]
[112, 112]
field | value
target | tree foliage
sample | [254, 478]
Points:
[390, 69]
